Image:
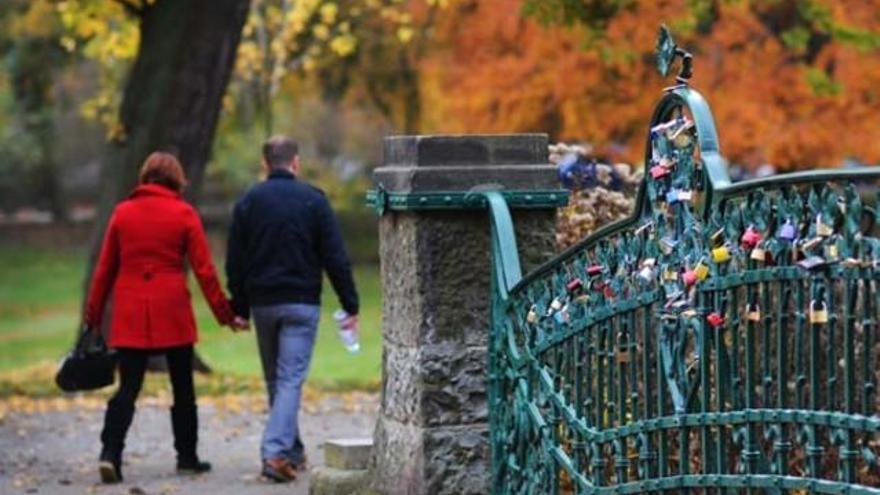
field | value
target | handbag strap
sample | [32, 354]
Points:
[90, 341]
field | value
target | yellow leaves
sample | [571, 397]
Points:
[405, 34]
[40, 20]
[343, 45]
[321, 32]
[328, 13]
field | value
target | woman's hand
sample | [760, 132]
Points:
[240, 324]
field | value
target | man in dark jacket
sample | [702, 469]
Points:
[283, 236]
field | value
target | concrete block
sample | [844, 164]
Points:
[348, 453]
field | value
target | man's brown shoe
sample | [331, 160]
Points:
[279, 470]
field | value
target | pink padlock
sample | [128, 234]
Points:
[658, 172]
[750, 238]
[689, 277]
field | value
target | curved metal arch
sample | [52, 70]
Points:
[708, 143]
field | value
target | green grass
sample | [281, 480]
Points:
[40, 293]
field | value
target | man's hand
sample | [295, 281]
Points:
[351, 323]
[240, 324]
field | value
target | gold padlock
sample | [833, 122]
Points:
[701, 271]
[823, 229]
[721, 254]
[753, 312]
[670, 275]
[623, 356]
[831, 251]
[758, 254]
[532, 316]
[818, 315]
[683, 140]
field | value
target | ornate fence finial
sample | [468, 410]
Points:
[666, 53]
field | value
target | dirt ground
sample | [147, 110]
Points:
[55, 451]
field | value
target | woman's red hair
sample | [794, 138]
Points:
[164, 169]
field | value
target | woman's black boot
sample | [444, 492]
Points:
[117, 419]
[185, 424]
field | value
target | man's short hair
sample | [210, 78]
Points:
[279, 151]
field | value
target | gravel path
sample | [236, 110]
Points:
[56, 452]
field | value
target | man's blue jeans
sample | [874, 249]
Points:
[286, 337]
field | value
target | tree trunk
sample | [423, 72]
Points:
[173, 96]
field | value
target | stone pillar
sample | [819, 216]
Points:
[432, 432]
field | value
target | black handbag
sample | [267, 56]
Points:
[89, 366]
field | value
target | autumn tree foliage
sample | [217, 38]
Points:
[792, 83]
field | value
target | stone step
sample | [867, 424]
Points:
[331, 481]
[348, 453]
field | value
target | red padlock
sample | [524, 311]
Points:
[715, 319]
[594, 270]
[750, 238]
[608, 292]
[689, 277]
[574, 285]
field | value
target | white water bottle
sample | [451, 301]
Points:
[347, 331]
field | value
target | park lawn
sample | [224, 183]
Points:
[40, 294]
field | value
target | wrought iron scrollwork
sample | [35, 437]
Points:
[721, 340]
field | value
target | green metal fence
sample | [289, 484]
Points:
[723, 339]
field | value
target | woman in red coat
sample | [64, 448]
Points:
[149, 238]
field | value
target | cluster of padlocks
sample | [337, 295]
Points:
[674, 248]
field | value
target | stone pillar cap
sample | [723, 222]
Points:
[451, 163]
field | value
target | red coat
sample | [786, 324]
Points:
[142, 260]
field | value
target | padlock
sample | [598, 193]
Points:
[561, 316]
[689, 278]
[818, 313]
[594, 270]
[685, 196]
[670, 275]
[556, 304]
[658, 172]
[721, 254]
[831, 251]
[574, 285]
[750, 238]
[753, 312]
[812, 263]
[672, 196]
[701, 271]
[649, 262]
[683, 140]
[666, 162]
[532, 315]
[582, 299]
[608, 292]
[715, 319]
[823, 229]
[689, 313]
[787, 231]
[758, 254]
[623, 356]
[667, 244]
[646, 274]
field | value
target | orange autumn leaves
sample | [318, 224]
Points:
[497, 71]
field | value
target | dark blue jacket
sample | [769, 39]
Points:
[283, 234]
